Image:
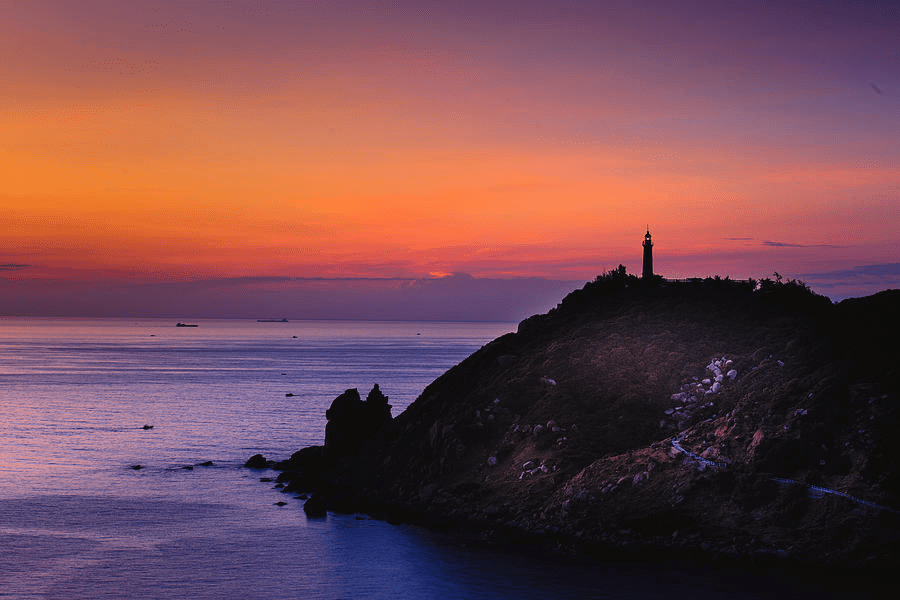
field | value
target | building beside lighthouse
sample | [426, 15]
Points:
[648, 256]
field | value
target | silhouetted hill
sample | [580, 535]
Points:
[737, 418]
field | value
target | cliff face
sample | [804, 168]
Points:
[704, 415]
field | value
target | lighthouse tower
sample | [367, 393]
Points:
[648, 256]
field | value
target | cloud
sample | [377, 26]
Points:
[454, 297]
[262, 279]
[793, 245]
[856, 281]
[860, 272]
[775, 244]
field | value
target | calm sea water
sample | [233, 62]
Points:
[77, 521]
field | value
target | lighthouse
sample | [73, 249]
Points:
[648, 256]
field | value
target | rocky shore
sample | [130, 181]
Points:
[751, 420]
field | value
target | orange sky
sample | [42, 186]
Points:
[175, 142]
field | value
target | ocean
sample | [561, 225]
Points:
[83, 403]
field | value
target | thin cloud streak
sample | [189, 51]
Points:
[778, 244]
[794, 245]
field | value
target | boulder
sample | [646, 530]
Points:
[304, 471]
[258, 461]
[315, 507]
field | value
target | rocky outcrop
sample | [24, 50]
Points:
[326, 471]
[258, 461]
[735, 418]
[351, 421]
[305, 471]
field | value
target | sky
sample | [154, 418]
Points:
[437, 160]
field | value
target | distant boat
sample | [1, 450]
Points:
[185, 325]
[271, 320]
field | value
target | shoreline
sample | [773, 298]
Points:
[618, 548]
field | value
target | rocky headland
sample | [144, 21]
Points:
[703, 417]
